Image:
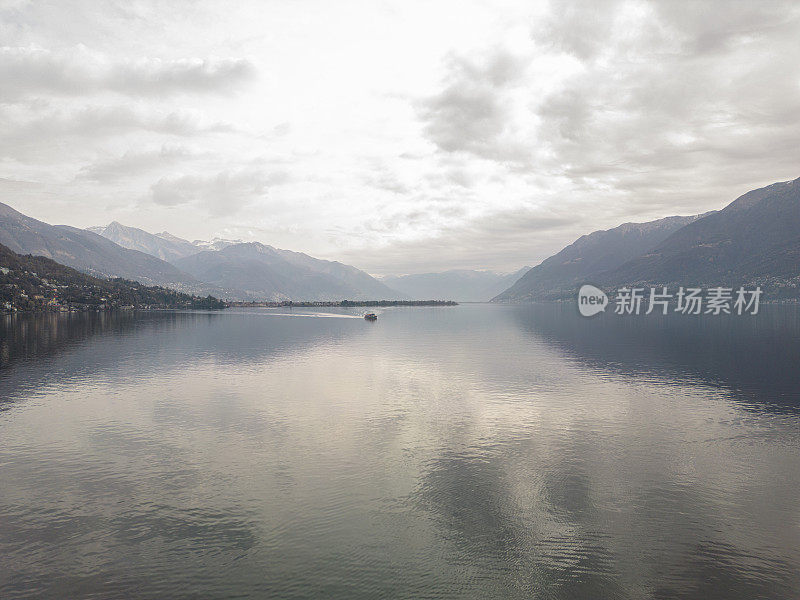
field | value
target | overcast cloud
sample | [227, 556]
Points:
[32, 70]
[399, 137]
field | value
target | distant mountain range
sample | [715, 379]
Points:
[224, 268]
[755, 240]
[164, 245]
[459, 284]
[87, 251]
[253, 271]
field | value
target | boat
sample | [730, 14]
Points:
[371, 317]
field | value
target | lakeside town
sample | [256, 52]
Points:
[39, 284]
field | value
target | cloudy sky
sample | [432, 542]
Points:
[401, 136]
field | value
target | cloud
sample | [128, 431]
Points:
[156, 77]
[55, 134]
[484, 130]
[584, 29]
[663, 103]
[134, 163]
[450, 176]
[225, 193]
[29, 72]
[98, 121]
[504, 240]
[384, 177]
[706, 99]
[388, 181]
[472, 114]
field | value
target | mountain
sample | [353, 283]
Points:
[254, 271]
[166, 235]
[86, 251]
[39, 283]
[459, 284]
[589, 256]
[215, 243]
[164, 246]
[755, 240]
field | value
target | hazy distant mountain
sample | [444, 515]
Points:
[215, 243]
[166, 235]
[256, 271]
[252, 270]
[755, 240]
[458, 284]
[164, 245]
[86, 251]
[589, 256]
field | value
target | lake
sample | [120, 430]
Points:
[476, 451]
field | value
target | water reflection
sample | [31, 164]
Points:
[59, 348]
[472, 452]
[29, 336]
[756, 357]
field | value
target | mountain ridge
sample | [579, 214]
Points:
[753, 241]
[590, 254]
[462, 285]
[252, 270]
[86, 251]
[166, 248]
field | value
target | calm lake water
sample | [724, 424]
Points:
[467, 452]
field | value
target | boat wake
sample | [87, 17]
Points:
[315, 315]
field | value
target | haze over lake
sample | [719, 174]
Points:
[476, 451]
